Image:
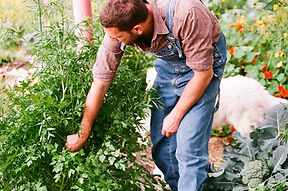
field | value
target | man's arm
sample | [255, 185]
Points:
[93, 105]
[191, 94]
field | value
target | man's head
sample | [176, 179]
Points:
[121, 19]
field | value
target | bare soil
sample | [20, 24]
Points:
[216, 148]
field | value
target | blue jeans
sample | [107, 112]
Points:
[183, 157]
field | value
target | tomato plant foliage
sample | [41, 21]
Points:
[39, 117]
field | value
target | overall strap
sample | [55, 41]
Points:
[169, 24]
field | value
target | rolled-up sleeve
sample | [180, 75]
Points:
[108, 59]
[196, 38]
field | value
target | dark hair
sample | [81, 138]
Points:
[123, 14]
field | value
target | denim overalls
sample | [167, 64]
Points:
[183, 157]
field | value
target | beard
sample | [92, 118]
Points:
[133, 38]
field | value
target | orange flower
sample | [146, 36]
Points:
[240, 27]
[277, 95]
[284, 93]
[266, 55]
[264, 66]
[243, 62]
[254, 60]
[281, 88]
[268, 75]
[232, 50]
[230, 139]
[232, 26]
[232, 129]
[269, 32]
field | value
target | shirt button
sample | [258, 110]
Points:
[169, 46]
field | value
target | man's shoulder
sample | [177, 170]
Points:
[182, 7]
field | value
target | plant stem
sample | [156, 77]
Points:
[40, 17]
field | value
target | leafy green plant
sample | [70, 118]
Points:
[223, 131]
[264, 148]
[39, 116]
[257, 44]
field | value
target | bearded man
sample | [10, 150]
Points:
[190, 49]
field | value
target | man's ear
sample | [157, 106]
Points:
[138, 29]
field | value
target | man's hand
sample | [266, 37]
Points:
[74, 142]
[170, 124]
[191, 94]
[92, 107]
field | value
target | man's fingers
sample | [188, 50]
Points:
[67, 146]
[163, 132]
[167, 134]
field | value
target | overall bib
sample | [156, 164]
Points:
[183, 157]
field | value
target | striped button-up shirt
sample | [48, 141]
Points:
[194, 26]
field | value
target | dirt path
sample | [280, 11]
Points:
[215, 154]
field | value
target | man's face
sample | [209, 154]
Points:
[122, 36]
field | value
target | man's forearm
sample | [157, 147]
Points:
[92, 106]
[193, 92]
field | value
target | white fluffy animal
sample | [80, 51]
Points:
[243, 101]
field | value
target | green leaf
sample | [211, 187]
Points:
[246, 145]
[231, 176]
[81, 180]
[29, 162]
[279, 157]
[240, 188]
[251, 55]
[71, 172]
[275, 117]
[216, 174]
[252, 71]
[281, 78]
[220, 185]
[273, 86]
[239, 53]
[57, 177]
[102, 158]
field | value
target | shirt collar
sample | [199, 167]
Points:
[159, 25]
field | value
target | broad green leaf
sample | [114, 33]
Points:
[216, 174]
[239, 53]
[250, 56]
[281, 78]
[231, 176]
[252, 71]
[279, 157]
[246, 145]
[275, 117]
